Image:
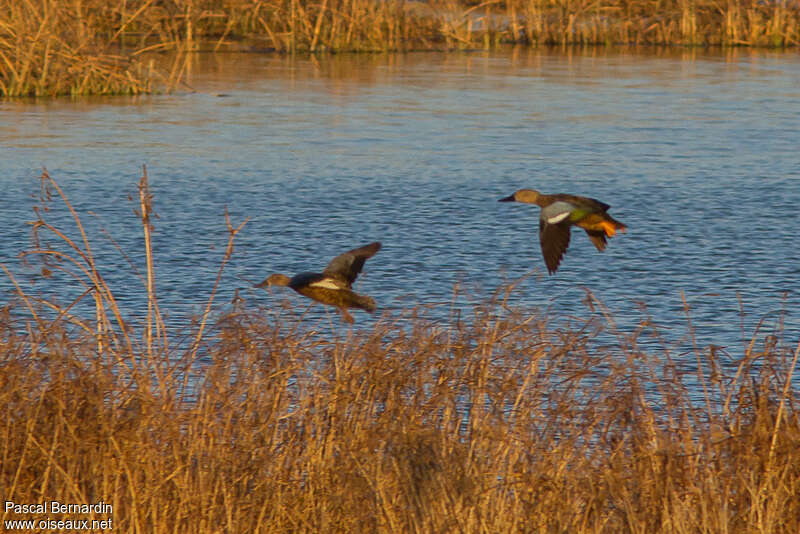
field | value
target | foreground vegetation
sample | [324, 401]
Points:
[52, 47]
[496, 422]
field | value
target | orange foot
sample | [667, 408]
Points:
[609, 228]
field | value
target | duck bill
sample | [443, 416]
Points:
[507, 199]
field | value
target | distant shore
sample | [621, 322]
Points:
[79, 47]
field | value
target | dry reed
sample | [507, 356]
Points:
[53, 47]
[496, 422]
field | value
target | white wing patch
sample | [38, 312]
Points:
[557, 218]
[327, 283]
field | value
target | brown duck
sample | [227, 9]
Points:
[333, 286]
[559, 213]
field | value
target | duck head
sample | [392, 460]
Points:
[275, 280]
[529, 196]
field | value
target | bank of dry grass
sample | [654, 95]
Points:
[53, 47]
[496, 422]
[48, 47]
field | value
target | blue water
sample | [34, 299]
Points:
[697, 152]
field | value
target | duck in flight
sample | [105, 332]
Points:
[333, 286]
[559, 213]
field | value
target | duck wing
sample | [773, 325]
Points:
[302, 281]
[586, 203]
[345, 267]
[598, 238]
[554, 233]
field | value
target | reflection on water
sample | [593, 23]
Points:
[697, 153]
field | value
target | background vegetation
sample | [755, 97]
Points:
[496, 422]
[53, 47]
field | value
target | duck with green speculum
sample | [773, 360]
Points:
[559, 213]
[333, 286]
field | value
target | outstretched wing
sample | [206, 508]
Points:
[554, 233]
[555, 240]
[345, 267]
[598, 238]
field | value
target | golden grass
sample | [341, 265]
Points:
[48, 47]
[55, 47]
[496, 422]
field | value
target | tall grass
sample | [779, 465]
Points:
[496, 422]
[53, 47]
[49, 47]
